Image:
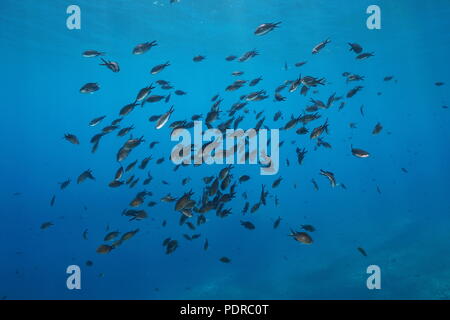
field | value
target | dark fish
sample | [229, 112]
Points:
[144, 47]
[206, 245]
[71, 138]
[64, 184]
[198, 58]
[85, 175]
[111, 65]
[377, 129]
[356, 48]
[96, 121]
[302, 237]
[90, 87]
[52, 202]
[320, 46]
[330, 176]
[360, 153]
[46, 225]
[92, 53]
[225, 260]
[316, 186]
[104, 248]
[266, 28]
[308, 227]
[160, 67]
[248, 225]
[363, 56]
[244, 178]
[277, 223]
[363, 252]
[353, 91]
[276, 183]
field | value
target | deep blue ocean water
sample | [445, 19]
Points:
[404, 229]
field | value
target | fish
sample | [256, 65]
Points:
[330, 176]
[353, 91]
[363, 56]
[96, 121]
[85, 175]
[206, 245]
[316, 186]
[225, 260]
[143, 47]
[85, 234]
[320, 46]
[301, 237]
[111, 65]
[164, 118]
[276, 183]
[266, 28]
[93, 53]
[160, 67]
[104, 249]
[90, 87]
[64, 184]
[360, 153]
[248, 225]
[198, 58]
[111, 236]
[308, 227]
[52, 201]
[377, 129]
[46, 225]
[128, 235]
[356, 48]
[277, 223]
[362, 251]
[71, 138]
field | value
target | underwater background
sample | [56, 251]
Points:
[403, 228]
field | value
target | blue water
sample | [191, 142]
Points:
[404, 230]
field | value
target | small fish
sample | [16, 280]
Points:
[320, 46]
[90, 87]
[308, 227]
[143, 47]
[96, 121]
[225, 260]
[247, 225]
[164, 118]
[46, 225]
[277, 223]
[159, 68]
[206, 245]
[104, 248]
[71, 138]
[356, 48]
[85, 175]
[198, 58]
[265, 28]
[363, 252]
[302, 237]
[377, 129]
[330, 176]
[52, 202]
[92, 53]
[360, 153]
